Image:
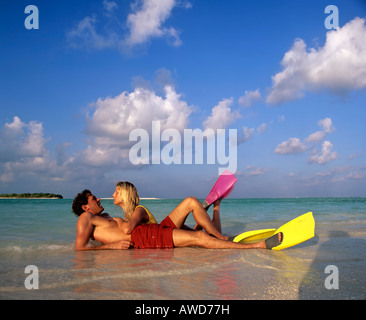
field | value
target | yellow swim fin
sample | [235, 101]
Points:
[294, 232]
[254, 235]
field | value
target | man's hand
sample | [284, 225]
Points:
[120, 245]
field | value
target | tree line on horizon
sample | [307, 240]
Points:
[31, 195]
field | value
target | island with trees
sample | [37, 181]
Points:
[38, 195]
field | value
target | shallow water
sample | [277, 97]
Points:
[42, 233]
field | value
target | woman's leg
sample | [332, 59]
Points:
[191, 204]
[215, 217]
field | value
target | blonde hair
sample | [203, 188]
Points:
[129, 195]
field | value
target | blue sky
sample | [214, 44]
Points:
[73, 90]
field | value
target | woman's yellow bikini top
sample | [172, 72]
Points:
[151, 217]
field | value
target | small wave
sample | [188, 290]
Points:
[37, 248]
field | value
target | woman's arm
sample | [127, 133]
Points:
[138, 216]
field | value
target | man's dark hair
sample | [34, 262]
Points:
[80, 200]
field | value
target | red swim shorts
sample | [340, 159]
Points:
[154, 236]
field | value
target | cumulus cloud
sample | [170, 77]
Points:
[21, 140]
[315, 137]
[22, 149]
[145, 21]
[327, 125]
[86, 35]
[292, 145]
[103, 156]
[113, 118]
[249, 98]
[262, 128]
[109, 6]
[221, 115]
[318, 136]
[356, 175]
[246, 135]
[255, 171]
[326, 154]
[339, 66]
[25, 158]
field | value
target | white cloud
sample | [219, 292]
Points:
[109, 6]
[102, 156]
[23, 151]
[147, 21]
[34, 143]
[315, 137]
[221, 115]
[327, 125]
[256, 171]
[85, 35]
[326, 154]
[247, 134]
[339, 66]
[318, 136]
[20, 140]
[13, 129]
[262, 128]
[24, 155]
[292, 145]
[113, 119]
[356, 175]
[25, 160]
[249, 98]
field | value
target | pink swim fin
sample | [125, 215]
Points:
[222, 188]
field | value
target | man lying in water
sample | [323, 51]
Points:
[93, 224]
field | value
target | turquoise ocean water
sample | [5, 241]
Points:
[41, 232]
